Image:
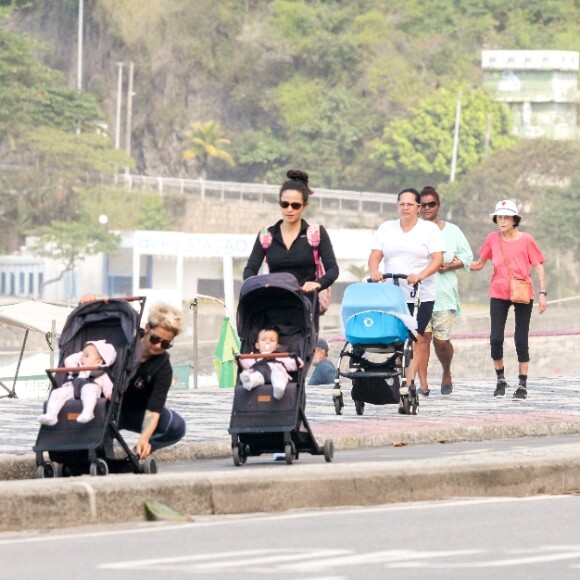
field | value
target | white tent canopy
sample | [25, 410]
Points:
[37, 316]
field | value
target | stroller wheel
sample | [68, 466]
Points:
[289, 453]
[149, 465]
[328, 450]
[406, 404]
[99, 467]
[414, 404]
[46, 470]
[238, 456]
[338, 405]
[360, 407]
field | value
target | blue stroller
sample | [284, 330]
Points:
[379, 334]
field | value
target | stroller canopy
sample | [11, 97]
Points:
[276, 300]
[380, 297]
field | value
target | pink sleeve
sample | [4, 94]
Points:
[105, 383]
[534, 253]
[485, 252]
[73, 360]
[288, 362]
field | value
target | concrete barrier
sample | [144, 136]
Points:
[45, 504]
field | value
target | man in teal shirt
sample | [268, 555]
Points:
[447, 306]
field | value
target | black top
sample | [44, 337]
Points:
[298, 260]
[149, 387]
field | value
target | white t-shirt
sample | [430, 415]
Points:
[409, 253]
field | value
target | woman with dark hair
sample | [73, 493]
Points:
[512, 254]
[289, 249]
[414, 247]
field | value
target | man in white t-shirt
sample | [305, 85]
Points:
[413, 247]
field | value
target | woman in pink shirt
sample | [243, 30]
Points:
[513, 255]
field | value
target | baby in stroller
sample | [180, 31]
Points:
[274, 371]
[91, 383]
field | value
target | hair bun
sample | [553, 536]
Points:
[297, 175]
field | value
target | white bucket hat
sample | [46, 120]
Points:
[505, 207]
[106, 350]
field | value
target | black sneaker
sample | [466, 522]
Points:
[500, 388]
[521, 393]
[446, 390]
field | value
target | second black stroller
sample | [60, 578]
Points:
[74, 448]
[260, 423]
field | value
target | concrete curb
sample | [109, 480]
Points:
[44, 504]
[19, 467]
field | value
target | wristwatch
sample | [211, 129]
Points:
[544, 293]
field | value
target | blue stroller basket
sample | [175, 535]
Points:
[379, 333]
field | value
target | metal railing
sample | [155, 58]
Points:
[212, 191]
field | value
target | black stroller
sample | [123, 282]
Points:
[379, 346]
[75, 448]
[260, 423]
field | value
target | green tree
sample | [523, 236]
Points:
[70, 243]
[34, 96]
[420, 147]
[205, 142]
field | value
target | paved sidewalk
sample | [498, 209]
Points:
[471, 413]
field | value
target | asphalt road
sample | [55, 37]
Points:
[500, 538]
[527, 446]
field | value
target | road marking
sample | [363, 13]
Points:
[498, 563]
[257, 518]
[238, 560]
[400, 556]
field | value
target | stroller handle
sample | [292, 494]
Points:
[75, 369]
[396, 278]
[265, 355]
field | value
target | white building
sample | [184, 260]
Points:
[173, 266]
[539, 86]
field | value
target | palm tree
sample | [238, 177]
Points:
[205, 143]
[359, 272]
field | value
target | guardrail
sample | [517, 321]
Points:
[227, 191]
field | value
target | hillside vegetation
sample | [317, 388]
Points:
[360, 93]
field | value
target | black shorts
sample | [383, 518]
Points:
[423, 316]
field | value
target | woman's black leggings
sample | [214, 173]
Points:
[498, 312]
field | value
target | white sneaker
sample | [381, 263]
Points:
[82, 418]
[251, 380]
[246, 380]
[47, 420]
[279, 379]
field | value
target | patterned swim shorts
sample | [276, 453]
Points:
[441, 323]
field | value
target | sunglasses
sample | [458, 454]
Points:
[154, 339]
[293, 205]
[430, 204]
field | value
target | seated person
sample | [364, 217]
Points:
[94, 383]
[324, 372]
[274, 371]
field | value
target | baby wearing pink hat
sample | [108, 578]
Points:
[95, 353]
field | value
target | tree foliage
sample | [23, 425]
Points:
[71, 242]
[420, 147]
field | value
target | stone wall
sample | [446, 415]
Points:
[247, 217]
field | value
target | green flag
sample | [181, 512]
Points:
[225, 363]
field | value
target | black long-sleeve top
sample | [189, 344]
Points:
[297, 260]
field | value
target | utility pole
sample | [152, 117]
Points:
[487, 135]
[455, 138]
[119, 99]
[80, 47]
[129, 110]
